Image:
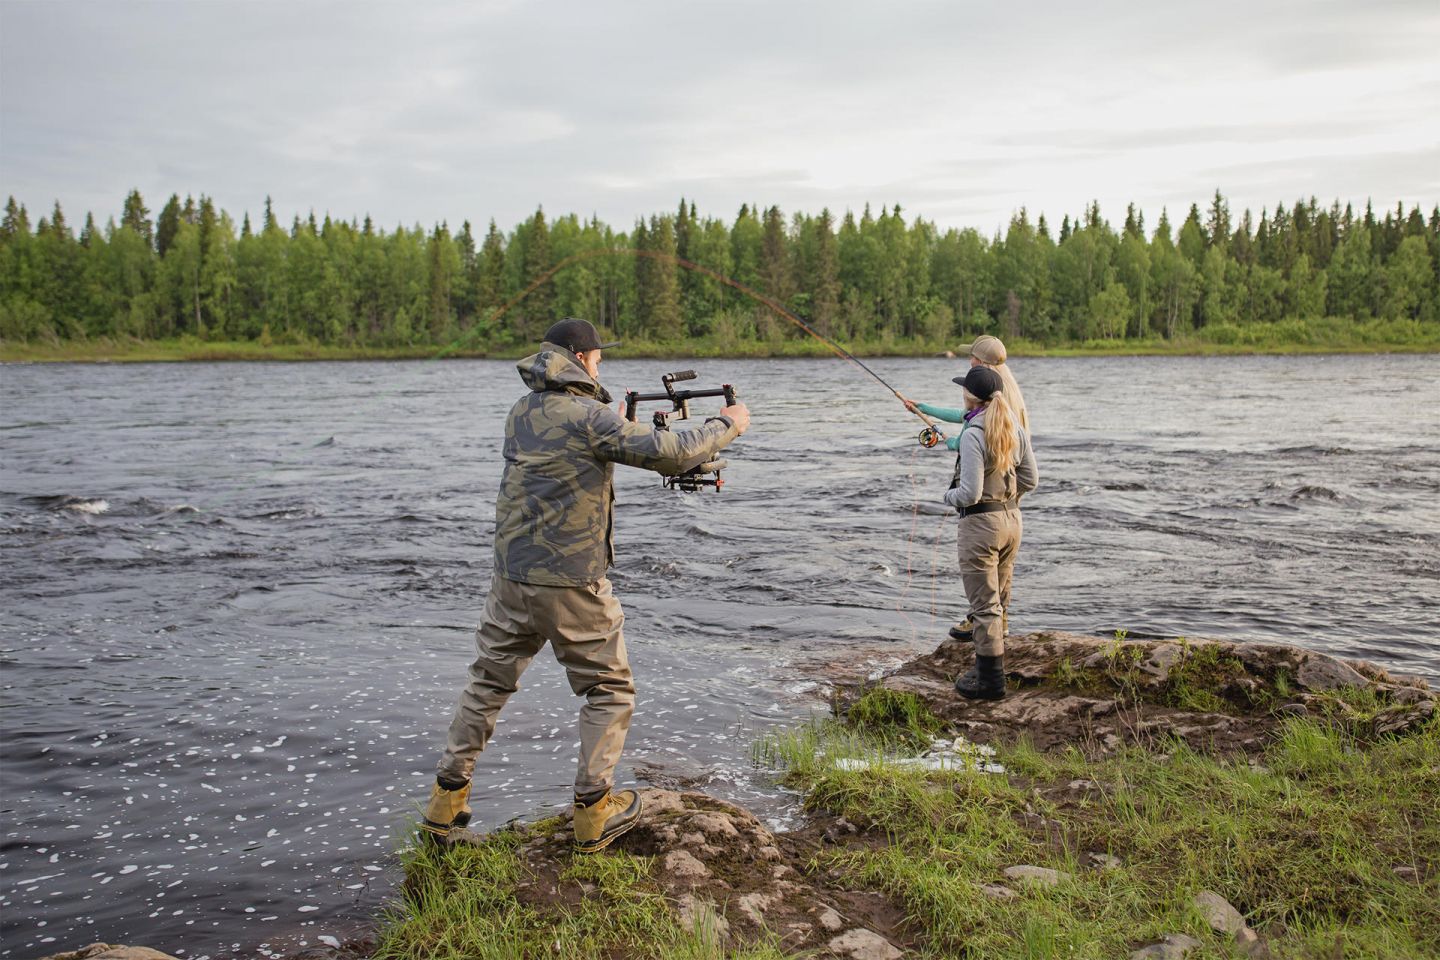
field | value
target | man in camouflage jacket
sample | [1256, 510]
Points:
[554, 522]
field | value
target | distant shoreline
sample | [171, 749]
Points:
[178, 351]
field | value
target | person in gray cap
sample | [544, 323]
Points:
[986, 351]
[994, 467]
[554, 520]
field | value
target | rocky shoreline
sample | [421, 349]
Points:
[1218, 696]
[729, 880]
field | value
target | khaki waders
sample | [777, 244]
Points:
[988, 544]
[583, 626]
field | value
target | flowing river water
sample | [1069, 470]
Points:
[239, 599]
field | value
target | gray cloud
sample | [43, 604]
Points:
[959, 112]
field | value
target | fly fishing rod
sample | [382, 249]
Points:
[929, 437]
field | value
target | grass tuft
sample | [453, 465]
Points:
[893, 716]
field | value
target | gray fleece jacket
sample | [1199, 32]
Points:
[975, 481]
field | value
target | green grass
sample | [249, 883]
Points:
[889, 715]
[466, 903]
[1304, 843]
[1193, 682]
[1304, 840]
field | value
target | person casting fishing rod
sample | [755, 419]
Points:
[986, 351]
[994, 468]
[554, 520]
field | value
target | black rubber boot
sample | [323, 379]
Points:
[984, 681]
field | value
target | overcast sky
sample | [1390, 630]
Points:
[959, 111]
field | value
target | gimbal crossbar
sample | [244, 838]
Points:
[696, 477]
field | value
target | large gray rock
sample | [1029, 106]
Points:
[1127, 684]
[1321, 673]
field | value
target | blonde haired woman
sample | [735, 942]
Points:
[994, 469]
[986, 351]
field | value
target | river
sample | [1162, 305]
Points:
[239, 599]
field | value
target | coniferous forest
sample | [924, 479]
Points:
[1302, 273]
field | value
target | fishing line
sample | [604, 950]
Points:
[750, 292]
[929, 437]
[910, 550]
[460, 341]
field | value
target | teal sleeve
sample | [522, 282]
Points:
[952, 443]
[948, 414]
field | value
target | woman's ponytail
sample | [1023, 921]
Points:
[1002, 443]
[1013, 396]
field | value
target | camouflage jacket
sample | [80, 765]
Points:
[554, 516]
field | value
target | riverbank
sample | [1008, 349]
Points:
[1371, 338]
[1151, 799]
[1243, 800]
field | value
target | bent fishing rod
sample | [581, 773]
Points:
[929, 437]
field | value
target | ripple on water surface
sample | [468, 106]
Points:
[237, 611]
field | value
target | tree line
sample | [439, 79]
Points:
[867, 278]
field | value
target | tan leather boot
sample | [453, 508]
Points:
[605, 819]
[446, 809]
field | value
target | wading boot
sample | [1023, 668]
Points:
[962, 631]
[598, 823]
[447, 808]
[984, 681]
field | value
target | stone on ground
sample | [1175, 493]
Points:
[1217, 911]
[108, 951]
[1175, 946]
[1040, 876]
[862, 944]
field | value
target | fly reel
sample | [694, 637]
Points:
[931, 437]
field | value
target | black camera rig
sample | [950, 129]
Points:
[699, 476]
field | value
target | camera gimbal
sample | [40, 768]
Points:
[696, 477]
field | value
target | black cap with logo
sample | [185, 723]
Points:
[576, 335]
[982, 383]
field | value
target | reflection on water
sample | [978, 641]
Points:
[239, 599]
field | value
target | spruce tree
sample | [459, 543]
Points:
[535, 312]
[661, 304]
[137, 217]
[167, 225]
[490, 286]
[776, 272]
[825, 280]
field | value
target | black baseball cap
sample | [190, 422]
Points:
[576, 335]
[982, 383]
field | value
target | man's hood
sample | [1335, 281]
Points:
[555, 369]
